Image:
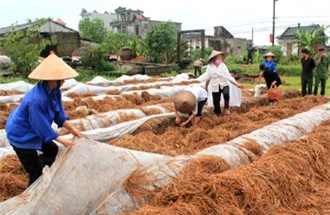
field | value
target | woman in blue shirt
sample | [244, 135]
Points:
[269, 61]
[28, 126]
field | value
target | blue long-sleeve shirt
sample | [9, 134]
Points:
[271, 65]
[29, 124]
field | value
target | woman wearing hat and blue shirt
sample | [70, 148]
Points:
[29, 126]
[269, 61]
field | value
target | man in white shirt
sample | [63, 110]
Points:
[190, 101]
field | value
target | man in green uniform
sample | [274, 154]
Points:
[322, 64]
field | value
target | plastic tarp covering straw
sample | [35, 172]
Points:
[103, 120]
[107, 121]
[3, 139]
[84, 88]
[89, 179]
[100, 81]
[124, 78]
[18, 85]
[119, 130]
[68, 84]
[12, 98]
[80, 179]
[164, 92]
[110, 118]
[4, 151]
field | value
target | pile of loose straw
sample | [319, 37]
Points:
[292, 178]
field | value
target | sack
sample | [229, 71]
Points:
[274, 93]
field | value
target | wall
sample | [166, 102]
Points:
[67, 43]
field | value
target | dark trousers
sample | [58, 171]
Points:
[200, 106]
[217, 97]
[306, 82]
[323, 82]
[198, 70]
[34, 163]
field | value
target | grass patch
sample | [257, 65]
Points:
[289, 82]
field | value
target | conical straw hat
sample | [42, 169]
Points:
[53, 68]
[269, 54]
[184, 102]
[214, 54]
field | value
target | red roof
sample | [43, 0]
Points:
[60, 21]
[140, 17]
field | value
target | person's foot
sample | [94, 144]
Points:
[227, 111]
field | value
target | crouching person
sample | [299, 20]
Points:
[190, 101]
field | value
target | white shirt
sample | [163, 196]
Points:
[218, 76]
[200, 94]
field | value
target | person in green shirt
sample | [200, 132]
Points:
[322, 64]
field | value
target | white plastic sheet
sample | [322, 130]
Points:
[124, 78]
[90, 178]
[68, 84]
[18, 85]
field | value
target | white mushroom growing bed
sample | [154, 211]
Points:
[91, 179]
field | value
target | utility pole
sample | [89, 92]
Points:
[252, 36]
[273, 39]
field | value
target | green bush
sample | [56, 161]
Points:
[289, 70]
[96, 59]
[232, 59]
[290, 60]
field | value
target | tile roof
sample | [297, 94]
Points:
[140, 17]
[48, 27]
[290, 32]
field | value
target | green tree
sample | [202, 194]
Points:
[136, 45]
[24, 47]
[161, 43]
[115, 41]
[92, 29]
[310, 40]
[96, 57]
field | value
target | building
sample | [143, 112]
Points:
[67, 38]
[106, 17]
[221, 40]
[289, 41]
[127, 21]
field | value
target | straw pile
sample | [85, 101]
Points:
[111, 103]
[84, 95]
[5, 110]
[155, 135]
[13, 178]
[292, 178]
[10, 92]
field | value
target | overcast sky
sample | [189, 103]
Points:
[238, 16]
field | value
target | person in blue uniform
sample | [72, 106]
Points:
[29, 125]
[269, 61]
